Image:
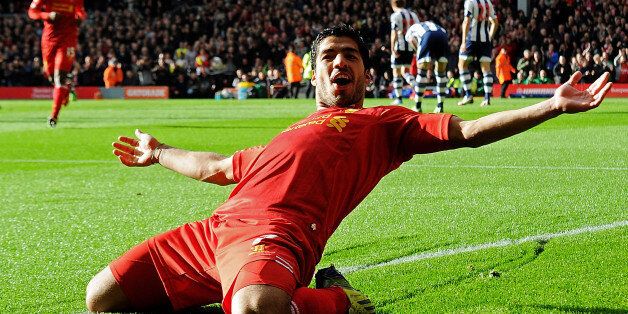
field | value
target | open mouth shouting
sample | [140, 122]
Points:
[341, 80]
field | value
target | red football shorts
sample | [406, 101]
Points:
[208, 261]
[57, 56]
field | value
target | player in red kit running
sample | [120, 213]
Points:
[258, 251]
[58, 45]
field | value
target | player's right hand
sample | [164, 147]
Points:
[569, 99]
[52, 16]
[138, 152]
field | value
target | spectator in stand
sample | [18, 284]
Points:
[599, 67]
[621, 66]
[504, 70]
[372, 90]
[87, 73]
[237, 78]
[562, 71]
[608, 64]
[537, 61]
[130, 78]
[180, 87]
[294, 70]
[261, 85]
[144, 71]
[543, 78]
[245, 87]
[525, 64]
[531, 78]
[385, 88]
[587, 68]
[278, 85]
[551, 56]
[521, 78]
[36, 73]
[161, 72]
[202, 62]
[113, 75]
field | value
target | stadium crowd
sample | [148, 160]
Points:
[196, 47]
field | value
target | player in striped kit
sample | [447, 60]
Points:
[478, 29]
[401, 51]
[431, 44]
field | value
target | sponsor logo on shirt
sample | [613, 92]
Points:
[338, 122]
[62, 7]
[314, 121]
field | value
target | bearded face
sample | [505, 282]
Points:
[340, 76]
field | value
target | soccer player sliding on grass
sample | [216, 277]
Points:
[257, 252]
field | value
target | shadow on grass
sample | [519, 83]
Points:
[577, 309]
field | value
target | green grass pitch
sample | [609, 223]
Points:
[68, 207]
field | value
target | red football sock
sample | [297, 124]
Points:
[326, 300]
[58, 95]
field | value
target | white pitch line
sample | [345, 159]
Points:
[484, 246]
[522, 167]
[53, 161]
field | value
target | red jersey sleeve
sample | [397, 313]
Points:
[432, 135]
[417, 133]
[35, 12]
[243, 159]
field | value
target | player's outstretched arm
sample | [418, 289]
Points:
[147, 150]
[35, 12]
[494, 127]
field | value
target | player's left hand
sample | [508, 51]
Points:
[568, 99]
[138, 152]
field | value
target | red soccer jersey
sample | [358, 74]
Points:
[319, 169]
[64, 29]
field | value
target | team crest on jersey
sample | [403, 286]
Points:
[260, 248]
[338, 122]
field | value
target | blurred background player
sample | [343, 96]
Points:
[478, 28]
[431, 44]
[401, 51]
[58, 45]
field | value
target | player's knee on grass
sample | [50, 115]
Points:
[260, 299]
[103, 294]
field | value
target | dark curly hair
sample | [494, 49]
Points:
[342, 30]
